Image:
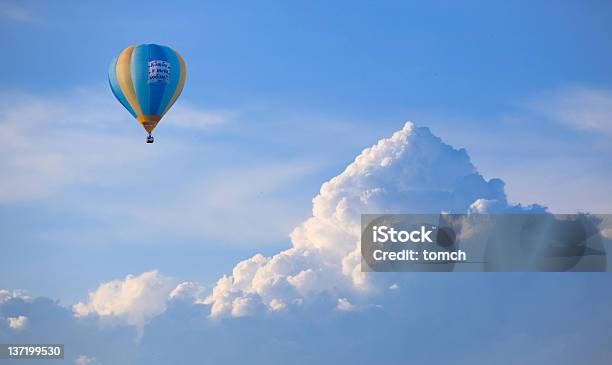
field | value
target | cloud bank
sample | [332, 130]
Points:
[311, 304]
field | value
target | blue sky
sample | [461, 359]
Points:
[280, 97]
[122, 247]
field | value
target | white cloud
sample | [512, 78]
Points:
[344, 305]
[579, 107]
[411, 171]
[187, 290]
[134, 300]
[277, 305]
[486, 206]
[246, 306]
[6, 295]
[18, 323]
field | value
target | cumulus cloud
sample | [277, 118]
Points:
[134, 300]
[188, 290]
[412, 171]
[6, 295]
[18, 323]
[345, 305]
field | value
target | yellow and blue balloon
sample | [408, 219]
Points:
[147, 79]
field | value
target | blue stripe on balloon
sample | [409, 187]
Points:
[156, 89]
[175, 75]
[140, 77]
[114, 85]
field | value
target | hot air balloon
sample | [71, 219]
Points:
[147, 79]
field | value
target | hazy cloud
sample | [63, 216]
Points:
[185, 115]
[85, 360]
[50, 142]
[579, 107]
[17, 13]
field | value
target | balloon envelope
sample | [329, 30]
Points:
[147, 79]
